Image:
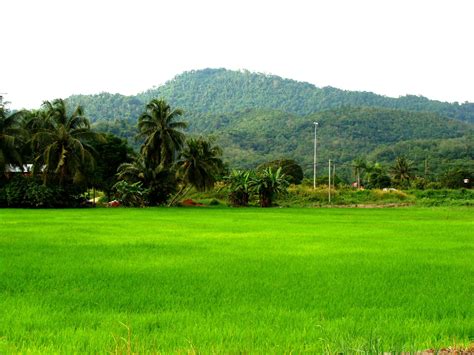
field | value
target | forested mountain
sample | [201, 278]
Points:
[253, 137]
[216, 91]
[257, 118]
[223, 91]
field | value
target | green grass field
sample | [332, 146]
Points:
[235, 280]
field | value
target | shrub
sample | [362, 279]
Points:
[38, 195]
[214, 202]
[15, 191]
[130, 194]
[290, 168]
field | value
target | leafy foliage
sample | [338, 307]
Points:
[10, 139]
[130, 194]
[289, 167]
[239, 183]
[268, 184]
[258, 118]
[200, 164]
[111, 152]
[221, 91]
[402, 171]
[64, 141]
[162, 133]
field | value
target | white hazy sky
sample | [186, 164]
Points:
[55, 48]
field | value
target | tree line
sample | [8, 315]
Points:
[50, 157]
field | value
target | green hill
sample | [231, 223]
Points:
[257, 118]
[222, 91]
[217, 91]
[253, 137]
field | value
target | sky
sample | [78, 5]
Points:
[56, 48]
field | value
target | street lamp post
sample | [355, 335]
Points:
[314, 160]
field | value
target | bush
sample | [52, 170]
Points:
[37, 195]
[290, 168]
[15, 191]
[214, 202]
[27, 191]
[131, 195]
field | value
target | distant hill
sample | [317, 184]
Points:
[257, 117]
[253, 137]
[223, 91]
[216, 91]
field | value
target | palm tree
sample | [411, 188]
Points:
[199, 165]
[163, 138]
[61, 142]
[10, 139]
[239, 183]
[133, 172]
[402, 171]
[359, 165]
[376, 176]
[159, 183]
[268, 184]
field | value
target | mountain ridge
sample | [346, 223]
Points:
[257, 118]
[226, 91]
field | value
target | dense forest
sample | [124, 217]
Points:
[253, 137]
[216, 91]
[257, 117]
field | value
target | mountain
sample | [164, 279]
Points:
[217, 91]
[258, 117]
[224, 91]
[255, 136]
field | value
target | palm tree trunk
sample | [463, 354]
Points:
[179, 194]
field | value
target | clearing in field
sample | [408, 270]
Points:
[235, 280]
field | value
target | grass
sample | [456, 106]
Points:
[235, 280]
[306, 196]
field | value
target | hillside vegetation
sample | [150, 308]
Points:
[222, 91]
[257, 117]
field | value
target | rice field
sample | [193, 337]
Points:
[204, 280]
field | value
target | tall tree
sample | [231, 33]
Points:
[10, 139]
[402, 171]
[199, 165]
[376, 176]
[162, 133]
[113, 152]
[62, 142]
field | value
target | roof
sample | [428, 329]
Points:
[25, 168]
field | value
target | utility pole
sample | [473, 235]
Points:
[314, 158]
[329, 180]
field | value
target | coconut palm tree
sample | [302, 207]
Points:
[133, 172]
[376, 176]
[402, 171]
[162, 133]
[62, 142]
[268, 184]
[11, 135]
[159, 183]
[199, 165]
